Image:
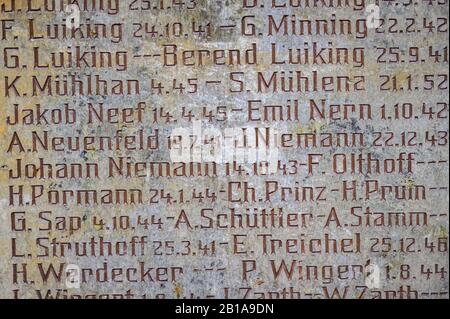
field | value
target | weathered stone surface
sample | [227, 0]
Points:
[224, 149]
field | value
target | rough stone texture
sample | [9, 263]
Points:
[391, 236]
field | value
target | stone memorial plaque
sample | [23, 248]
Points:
[225, 149]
